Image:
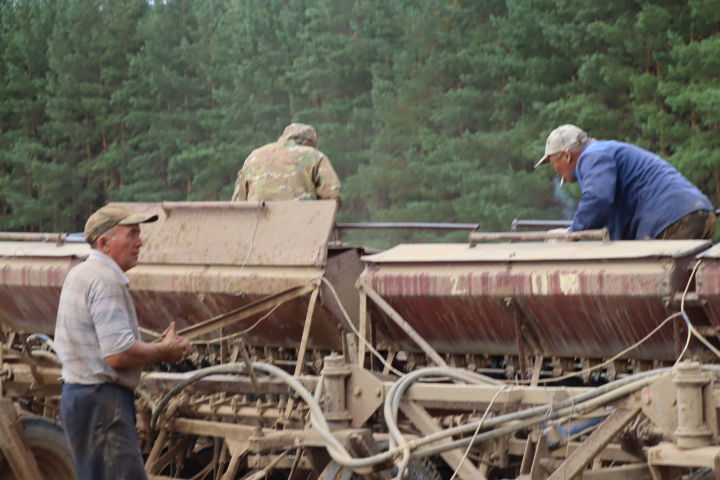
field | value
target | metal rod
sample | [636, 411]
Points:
[248, 364]
[609, 428]
[479, 237]
[426, 424]
[158, 382]
[306, 330]
[406, 226]
[151, 464]
[243, 312]
[362, 327]
[13, 444]
[58, 238]
[405, 326]
[541, 224]
[303, 344]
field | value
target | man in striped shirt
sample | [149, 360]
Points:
[98, 342]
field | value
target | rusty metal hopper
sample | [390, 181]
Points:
[199, 261]
[31, 277]
[707, 284]
[579, 299]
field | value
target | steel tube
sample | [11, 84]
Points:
[478, 237]
[58, 238]
[541, 224]
[406, 226]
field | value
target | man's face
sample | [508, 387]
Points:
[123, 245]
[563, 165]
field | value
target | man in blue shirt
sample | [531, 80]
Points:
[634, 193]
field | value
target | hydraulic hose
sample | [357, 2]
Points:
[521, 419]
[392, 403]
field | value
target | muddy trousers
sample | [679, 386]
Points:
[696, 225]
[99, 423]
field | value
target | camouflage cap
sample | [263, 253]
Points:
[302, 133]
[110, 215]
[562, 138]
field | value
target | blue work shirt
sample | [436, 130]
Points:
[632, 192]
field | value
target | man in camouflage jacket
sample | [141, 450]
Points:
[289, 169]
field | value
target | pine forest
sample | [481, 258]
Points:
[430, 110]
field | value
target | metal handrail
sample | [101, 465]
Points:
[539, 224]
[57, 238]
[478, 237]
[406, 226]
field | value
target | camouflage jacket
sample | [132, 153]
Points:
[287, 170]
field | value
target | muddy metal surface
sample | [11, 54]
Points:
[201, 260]
[580, 299]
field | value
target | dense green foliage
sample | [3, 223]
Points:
[431, 110]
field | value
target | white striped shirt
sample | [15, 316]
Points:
[96, 318]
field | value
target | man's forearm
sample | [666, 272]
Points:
[140, 354]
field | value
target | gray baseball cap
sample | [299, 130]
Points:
[562, 138]
[110, 215]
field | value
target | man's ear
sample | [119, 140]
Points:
[101, 243]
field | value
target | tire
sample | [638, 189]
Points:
[416, 470]
[47, 442]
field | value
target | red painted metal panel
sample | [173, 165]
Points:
[30, 291]
[564, 308]
[707, 287]
[199, 261]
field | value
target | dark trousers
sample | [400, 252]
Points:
[698, 225]
[99, 423]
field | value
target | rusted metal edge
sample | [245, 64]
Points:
[168, 207]
[206, 205]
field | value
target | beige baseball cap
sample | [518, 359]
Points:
[110, 215]
[562, 138]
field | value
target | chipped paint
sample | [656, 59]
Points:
[540, 283]
[569, 283]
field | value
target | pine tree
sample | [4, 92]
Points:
[24, 29]
[436, 156]
[173, 116]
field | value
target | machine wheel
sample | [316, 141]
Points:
[47, 442]
[417, 470]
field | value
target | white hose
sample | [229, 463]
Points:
[398, 446]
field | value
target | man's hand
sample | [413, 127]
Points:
[174, 347]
